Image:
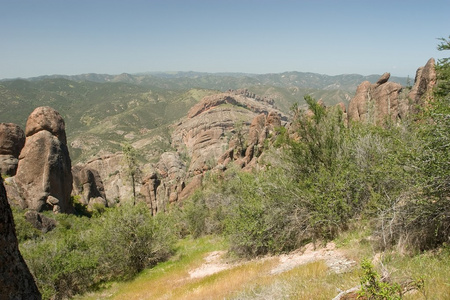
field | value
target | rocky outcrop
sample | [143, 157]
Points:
[16, 281]
[424, 82]
[44, 178]
[88, 184]
[375, 103]
[383, 100]
[218, 123]
[220, 129]
[12, 140]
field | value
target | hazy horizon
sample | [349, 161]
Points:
[248, 36]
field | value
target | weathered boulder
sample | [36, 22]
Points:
[16, 281]
[357, 108]
[88, 184]
[12, 140]
[44, 177]
[40, 221]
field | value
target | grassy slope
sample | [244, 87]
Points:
[251, 280]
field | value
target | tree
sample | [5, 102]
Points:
[131, 165]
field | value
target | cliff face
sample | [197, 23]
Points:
[16, 281]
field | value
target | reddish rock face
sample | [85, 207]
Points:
[12, 139]
[16, 281]
[44, 177]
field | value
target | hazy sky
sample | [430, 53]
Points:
[43, 37]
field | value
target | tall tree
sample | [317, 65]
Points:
[131, 165]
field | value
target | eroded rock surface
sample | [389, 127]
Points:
[16, 281]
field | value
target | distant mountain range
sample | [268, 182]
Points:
[225, 81]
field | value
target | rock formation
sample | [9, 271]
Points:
[220, 129]
[88, 184]
[44, 177]
[103, 178]
[12, 139]
[423, 84]
[16, 281]
[383, 100]
[376, 102]
[216, 124]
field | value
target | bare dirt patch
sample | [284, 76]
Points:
[334, 259]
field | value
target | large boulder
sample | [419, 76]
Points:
[44, 177]
[12, 140]
[16, 281]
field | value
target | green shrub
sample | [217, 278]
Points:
[24, 229]
[373, 288]
[82, 253]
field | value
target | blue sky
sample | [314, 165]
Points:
[43, 37]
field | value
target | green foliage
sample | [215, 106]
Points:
[373, 288]
[423, 222]
[130, 160]
[321, 178]
[81, 253]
